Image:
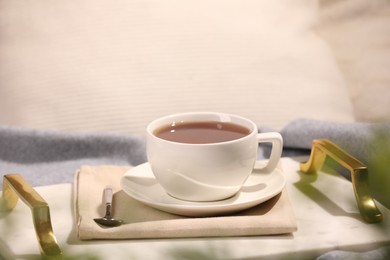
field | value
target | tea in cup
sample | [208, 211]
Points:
[206, 156]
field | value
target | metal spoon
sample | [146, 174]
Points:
[108, 220]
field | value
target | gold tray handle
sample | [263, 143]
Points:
[14, 187]
[359, 175]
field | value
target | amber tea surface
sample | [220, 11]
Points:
[202, 132]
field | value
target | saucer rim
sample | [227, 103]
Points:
[201, 208]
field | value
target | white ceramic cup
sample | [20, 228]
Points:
[211, 171]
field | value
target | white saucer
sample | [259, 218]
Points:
[140, 183]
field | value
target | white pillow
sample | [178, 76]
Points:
[359, 34]
[114, 66]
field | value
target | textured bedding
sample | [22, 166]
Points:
[49, 157]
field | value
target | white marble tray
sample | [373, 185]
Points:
[326, 212]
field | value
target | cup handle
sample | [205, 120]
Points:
[276, 152]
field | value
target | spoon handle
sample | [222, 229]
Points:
[108, 195]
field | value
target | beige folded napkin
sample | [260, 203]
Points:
[141, 221]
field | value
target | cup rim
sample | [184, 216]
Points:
[151, 128]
